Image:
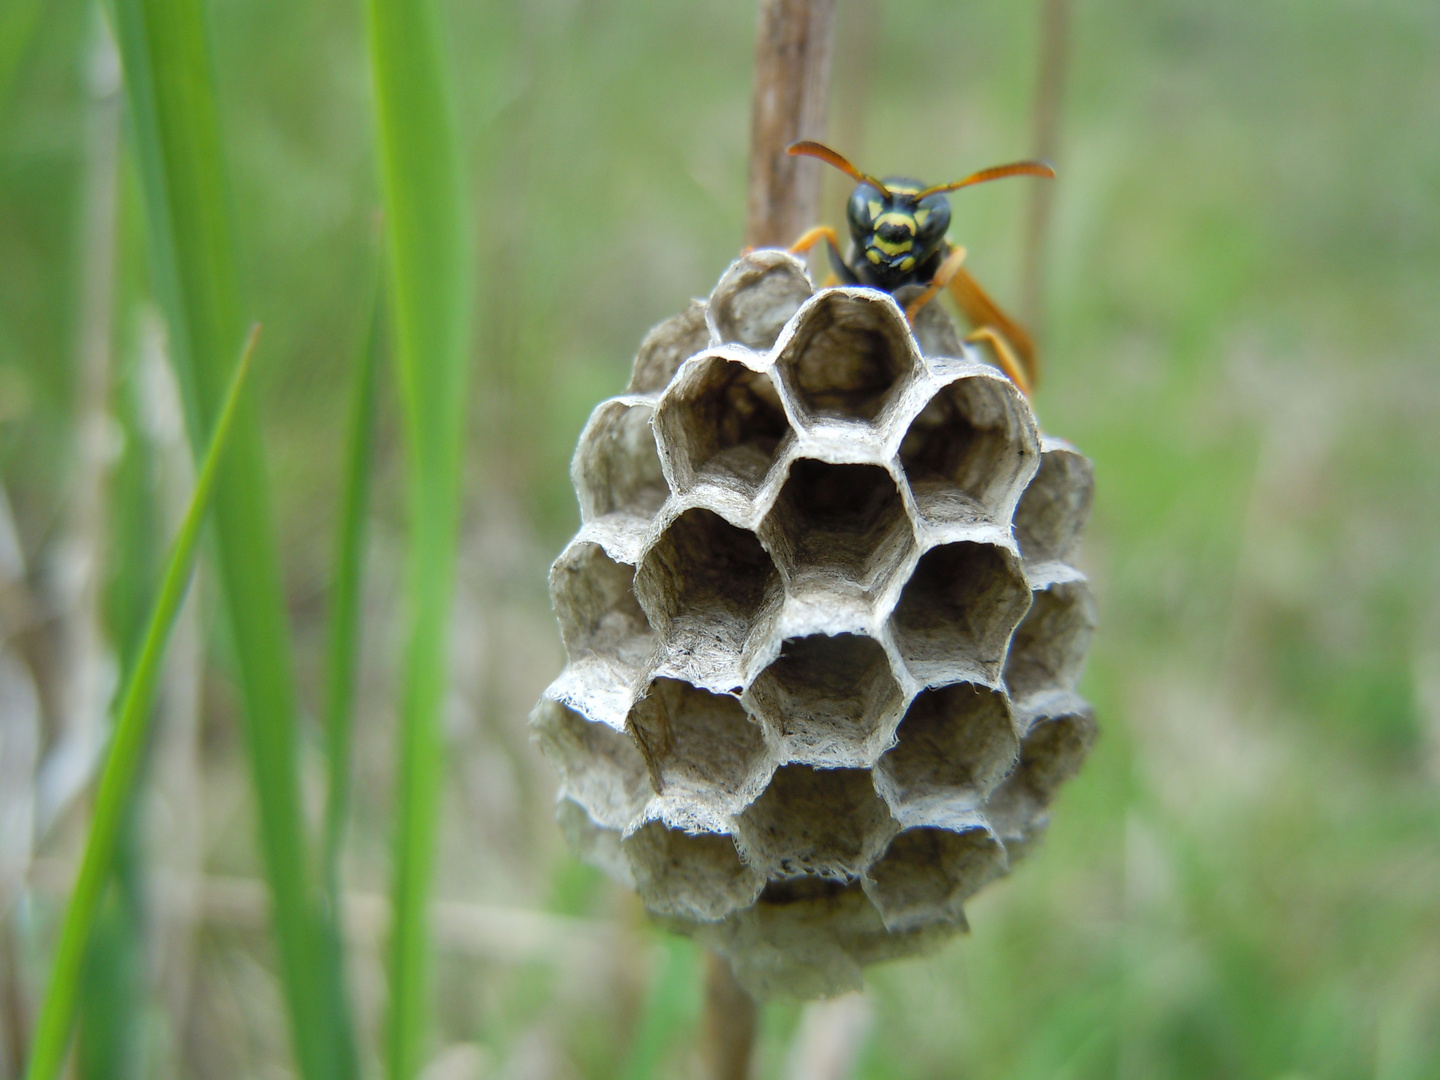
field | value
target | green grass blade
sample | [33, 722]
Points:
[344, 645]
[57, 1013]
[428, 281]
[174, 122]
[18, 19]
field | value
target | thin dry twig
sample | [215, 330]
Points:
[792, 91]
[730, 1021]
[1049, 97]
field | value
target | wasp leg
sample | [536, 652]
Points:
[1009, 363]
[812, 237]
[984, 312]
[948, 269]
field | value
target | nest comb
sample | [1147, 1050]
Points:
[822, 627]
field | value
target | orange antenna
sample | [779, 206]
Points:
[807, 148]
[995, 172]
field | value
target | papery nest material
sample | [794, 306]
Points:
[823, 628]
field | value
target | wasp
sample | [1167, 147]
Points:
[898, 229]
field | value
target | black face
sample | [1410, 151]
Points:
[895, 237]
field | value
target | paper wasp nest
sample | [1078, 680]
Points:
[822, 627]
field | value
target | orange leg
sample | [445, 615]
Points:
[948, 269]
[1003, 354]
[981, 311]
[812, 237]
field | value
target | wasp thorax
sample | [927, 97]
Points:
[823, 632]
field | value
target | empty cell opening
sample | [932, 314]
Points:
[618, 464]
[967, 444]
[668, 346]
[845, 518]
[728, 422]
[693, 876]
[704, 568]
[927, 873]
[1052, 752]
[848, 358]
[957, 741]
[602, 769]
[962, 603]
[827, 696]
[756, 298]
[822, 822]
[1048, 650]
[595, 602]
[1054, 508]
[697, 740]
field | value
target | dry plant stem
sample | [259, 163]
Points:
[730, 1021]
[792, 89]
[1049, 96]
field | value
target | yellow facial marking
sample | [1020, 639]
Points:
[875, 208]
[922, 216]
[895, 217]
[872, 255]
[903, 189]
[907, 262]
[889, 248]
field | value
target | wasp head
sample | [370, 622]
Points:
[895, 232]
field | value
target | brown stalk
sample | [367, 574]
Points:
[793, 46]
[1049, 97]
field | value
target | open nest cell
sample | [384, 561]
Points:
[1054, 748]
[954, 743]
[1049, 647]
[701, 743]
[757, 296]
[668, 346]
[1054, 508]
[849, 357]
[721, 422]
[825, 823]
[697, 876]
[838, 523]
[706, 573]
[929, 871]
[594, 600]
[600, 767]
[969, 449]
[959, 608]
[829, 699]
[617, 465]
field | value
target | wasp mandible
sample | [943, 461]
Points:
[898, 231]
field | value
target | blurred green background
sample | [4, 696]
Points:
[1243, 310]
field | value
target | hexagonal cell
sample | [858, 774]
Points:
[829, 699]
[1052, 752]
[721, 422]
[705, 582]
[1048, 649]
[591, 842]
[955, 743]
[756, 297]
[928, 872]
[1054, 508]
[697, 876]
[599, 767]
[969, 449]
[595, 603]
[700, 744]
[849, 357]
[958, 610]
[668, 346]
[823, 822]
[845, 520]
[617, 466]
